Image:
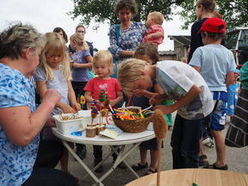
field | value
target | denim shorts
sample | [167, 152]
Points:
[218, 116]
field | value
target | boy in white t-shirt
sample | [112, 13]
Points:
[193, 101]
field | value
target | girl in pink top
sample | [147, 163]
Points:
[155, 31]
[103, 67]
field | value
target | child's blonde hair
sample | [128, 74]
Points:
[55, 45]
[79, 40]
[104, 57]
[157, 17]
[130, 70]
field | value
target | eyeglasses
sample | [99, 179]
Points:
[81, 31]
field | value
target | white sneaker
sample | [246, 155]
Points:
[208, 142]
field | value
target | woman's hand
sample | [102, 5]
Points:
[51, 97]
[127, 53]
[22, 125]
[147, 37]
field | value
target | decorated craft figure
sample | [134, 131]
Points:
[104, 104]
[94, 110]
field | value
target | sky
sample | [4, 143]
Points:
[45, 15]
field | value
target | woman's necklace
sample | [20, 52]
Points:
[125, 25]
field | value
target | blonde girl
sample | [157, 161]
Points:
[103, 67]
[81, 62]
[54, 73]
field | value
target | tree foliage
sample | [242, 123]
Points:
[103, 10]
[234, 12]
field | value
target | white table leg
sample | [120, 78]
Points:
[82, 163]
[104, 159]
[122, 155]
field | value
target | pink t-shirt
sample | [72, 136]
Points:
[151, 30]
[110, 85]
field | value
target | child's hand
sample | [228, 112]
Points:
[66, 108]
[76, 106]
[76, 65]
[112, 102]
[165, 109]
[155, 100]
[51, 96]
[236, 76]
[139, 92]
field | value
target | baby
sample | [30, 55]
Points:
[155, 31]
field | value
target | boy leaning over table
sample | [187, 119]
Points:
[193, 101]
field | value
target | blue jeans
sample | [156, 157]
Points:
[185, 141]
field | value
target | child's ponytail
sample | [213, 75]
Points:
[79, 40]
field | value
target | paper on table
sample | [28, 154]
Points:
[111, 131]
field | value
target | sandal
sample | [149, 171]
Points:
[215, 166]
[139, 166]
[150, 171]
[203, 161]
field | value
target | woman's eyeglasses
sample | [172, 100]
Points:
[81, 31]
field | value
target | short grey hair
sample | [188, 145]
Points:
[18, 37]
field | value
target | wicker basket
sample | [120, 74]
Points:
[132, 126]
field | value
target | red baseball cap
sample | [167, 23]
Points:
[214, 25]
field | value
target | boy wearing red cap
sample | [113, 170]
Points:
[216, 64]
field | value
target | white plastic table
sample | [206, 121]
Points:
[127, 142]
